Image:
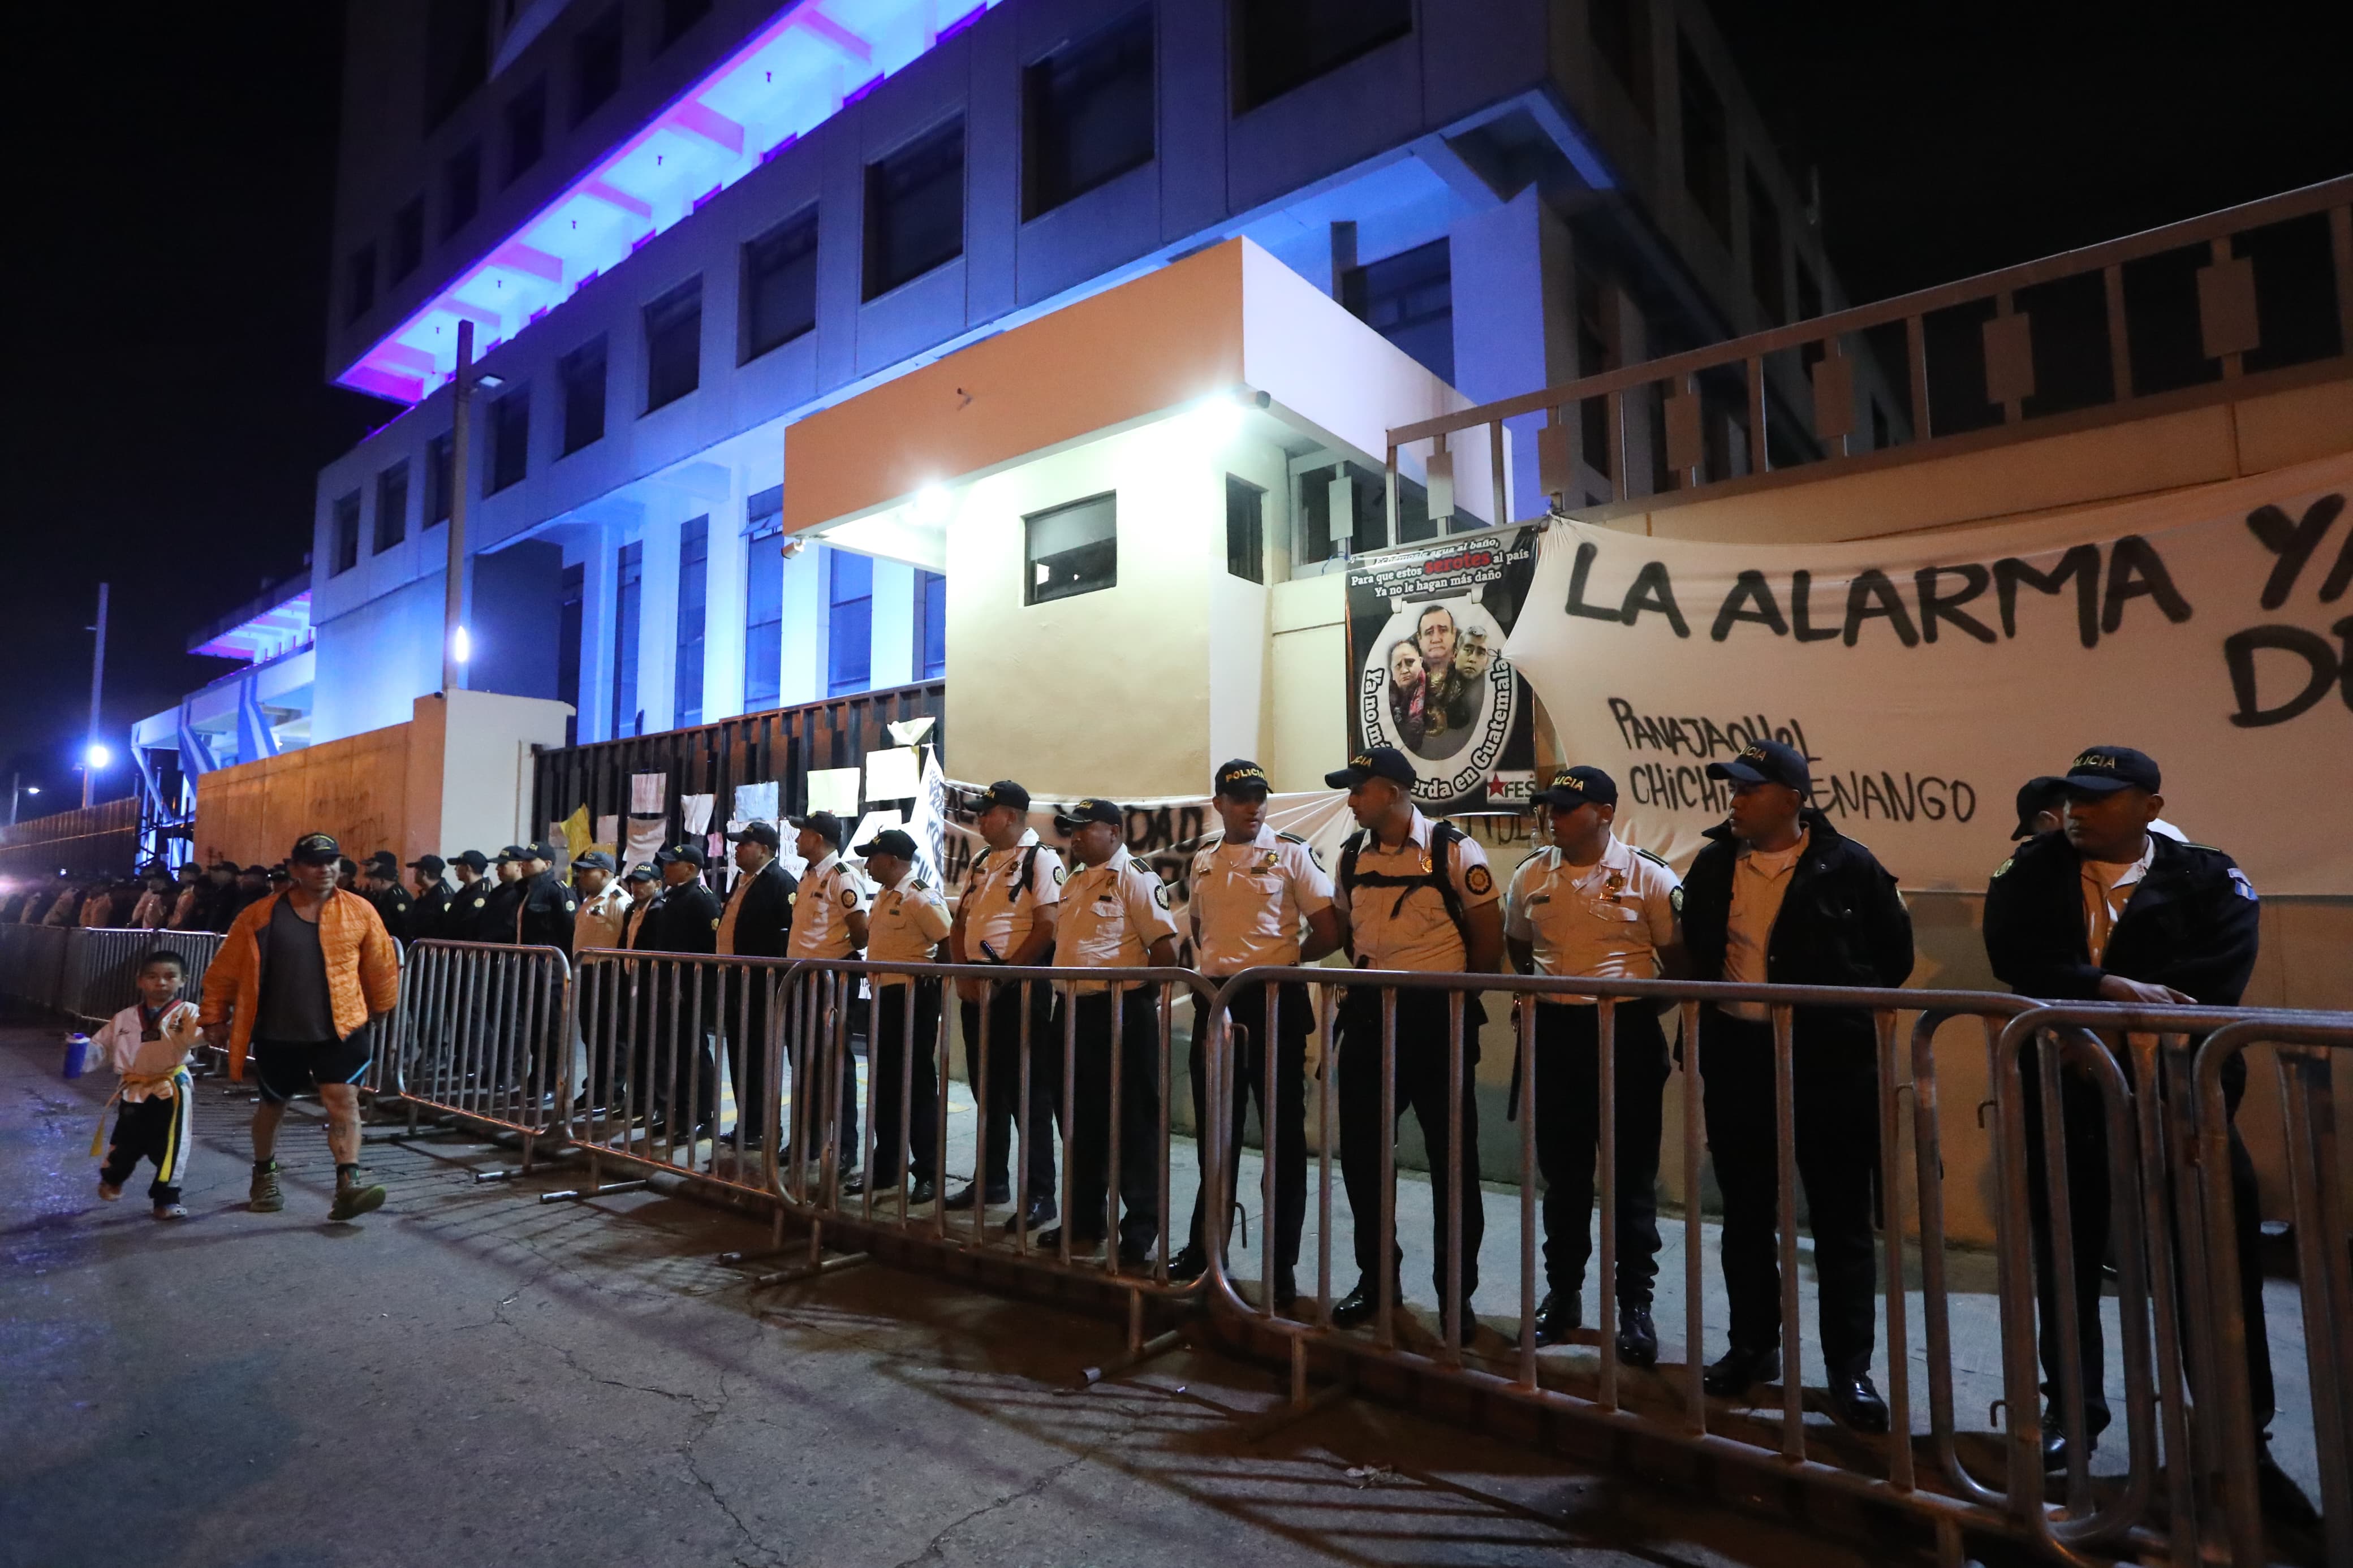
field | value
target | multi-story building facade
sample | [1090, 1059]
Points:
[679, 225]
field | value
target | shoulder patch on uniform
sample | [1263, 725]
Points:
[1653, 859]
[714, 922]
[849, 898]
[2005, 866]
[917, 886]
[569, 906]
[1160, 894]
[1479, 880]
[2246, 889]
[1062, 875]
[1676, 900]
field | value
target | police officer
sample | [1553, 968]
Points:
[467, 917]
[643, 884]
[429, 905]
[1780, 896]
[1418, 895]
[758, 914]
[908, 921]
[1593, 906]
[1012, 893]
[1115, 915]
[382, 887]
[598, 924]
[545, 907]
[506, 894]
[828, 922]
[2109, 909]
[1252, 888]
[678, 1001]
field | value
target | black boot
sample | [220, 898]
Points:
[1637, 1337]
[1560, 1314]
[1741, 1368]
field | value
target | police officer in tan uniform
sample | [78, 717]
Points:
[906, 924]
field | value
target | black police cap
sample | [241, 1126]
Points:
[758, 833]
[1573, 787]
[890, 841]
[1766, 762]
[1086, 811]
[824, 823]
[1241, 778]
[2104, 770]
[311, 849]
[1004, 792]
[1379, 763]
[2045, 792]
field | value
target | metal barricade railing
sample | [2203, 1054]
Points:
[91, 972]
[33, 961]
[484, 1033]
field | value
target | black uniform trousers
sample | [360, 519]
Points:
[157, 1129]
[1423, 1086]
[1567, 1109]
[891, 1059]
[1287, 1124]
[1835, 1123]
[746, 1015]
[1003, 1060]
[606, 1029]
[820, 1011]
[1132, 1027]
[681, 1071]
[2088, 1211]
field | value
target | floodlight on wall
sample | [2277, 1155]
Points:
[1215, 422]
[98, 756]
[488, 381]
[932, 504]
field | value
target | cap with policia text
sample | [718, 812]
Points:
[2036, 795]
[543, 851]
[311, 849]
[1766, 762]
[890, 841]
[383, 860]
[1241, 778]
[690, 853]
[2104, 770]
[473, 859]
[1086, 811]
[512, 852]
[431, 864]
[593, 860]
[758, 833]
[641, 872]
[1004, 792]
[1380, 762]
[1573, 787]
[824, 823]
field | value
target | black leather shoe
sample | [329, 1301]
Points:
[1858, 1404]
[1040, 1212]
[1189, 1265]
[970, 1192]
[923, 1192]
[1637, 1337]
[2283, 1501]
[1560, 1314]
[1134, 1256]
[853, 1185]
[1740, 1369]
[2054, 1441]
[1360, 1306]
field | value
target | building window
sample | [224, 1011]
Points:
[780, 284]
[628, 586]
[596, 64]
[764, 599]
[1707, 149]
[391, 507]
[1090, 113]
[438, 487]
[509, 439]
[408, 238]
[1765, 250]
[1073, 549]
[1289, 43]
[693, 574]
[526, 129]
[347, 534]
[915, 210]
[582, 371]
[1409, 299]
[677, 17]
[567, 648]
[674, 344]
[461, 188]
[1245, 529]
[1621, 36]
[456, 55]
[930, 624]
[361, 294]
[848, 622]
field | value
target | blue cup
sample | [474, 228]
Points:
[76, 1055]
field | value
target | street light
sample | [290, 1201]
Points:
[98, 756]
[19, 787]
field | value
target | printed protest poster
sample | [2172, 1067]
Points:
[1926, 675]
[1429, 673]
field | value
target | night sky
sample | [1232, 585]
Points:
[168, 273]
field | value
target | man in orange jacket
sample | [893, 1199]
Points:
[301, 979]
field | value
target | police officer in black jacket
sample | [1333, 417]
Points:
[754, 922]
[469, 901]
[544, 909]
[2105, 910]
[382, 887]
[680, 1003]
[498, 919]
[429, 902]
[1780, 896]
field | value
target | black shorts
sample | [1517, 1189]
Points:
[285, 1069]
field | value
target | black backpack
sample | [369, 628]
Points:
[1444, 837]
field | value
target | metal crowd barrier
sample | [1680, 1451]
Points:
[89, 972]
[33, 963]
[484, 1033]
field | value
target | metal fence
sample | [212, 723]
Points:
[484, 1033]
[89, 972]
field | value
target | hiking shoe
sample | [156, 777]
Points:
[263, 1196]
[109, 1192]
[171, 1211]
[353, 1201]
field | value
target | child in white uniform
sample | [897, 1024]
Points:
[148, 1043]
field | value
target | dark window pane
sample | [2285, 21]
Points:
[930, 624]
[674, 344]
[780, 284]
[582, 372]
[1621, 36]
[764, 599]
[462, 189]
[693, 567]
[1285, 44]
[408, 238]
[596, 64]
[1245, 529]
[1073, 549]
[456, 55]
[1765, 251]
[850, 623]
[526, 129]
[677, 17]
[1408, 299]
[361, 291]
[437, 489]
[509, 439]
[567, 648]
[391, 507]
[1090, 113]
[1708, 152]
[347, 534]
[629, 583]
[915, 210]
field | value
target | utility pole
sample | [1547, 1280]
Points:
[96, 689]
[18, 790]
[454, 606]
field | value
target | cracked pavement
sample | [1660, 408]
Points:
[471, 1376]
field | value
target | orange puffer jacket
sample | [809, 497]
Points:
[363, 970]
